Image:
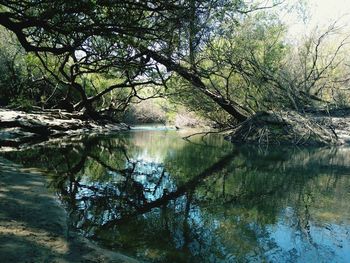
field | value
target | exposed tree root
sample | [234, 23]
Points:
[284, 128]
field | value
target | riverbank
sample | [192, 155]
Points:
[33, 225]
[293, 128]
[19, 128]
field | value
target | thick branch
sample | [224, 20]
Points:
[17, 28]
[230, 107]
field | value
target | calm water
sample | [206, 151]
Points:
[154, 196]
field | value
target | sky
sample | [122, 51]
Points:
[330, 9]
[321, 13]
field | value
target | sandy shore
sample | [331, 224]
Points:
[33, 225]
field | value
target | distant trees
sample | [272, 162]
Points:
[314, 67]
[254, 66]
[232, 65]
[22, 81]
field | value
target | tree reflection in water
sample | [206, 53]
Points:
[160, 198]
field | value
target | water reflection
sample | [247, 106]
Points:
[155, 196]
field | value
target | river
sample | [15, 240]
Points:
[159, 198]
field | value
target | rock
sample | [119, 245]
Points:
[18, 128]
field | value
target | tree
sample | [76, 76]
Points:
[22, 82]
[206, 43]
[89, 76]
[229, 65]
[148, 29]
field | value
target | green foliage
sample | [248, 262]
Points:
[221, 59]
[231, 64]
[22, 81]
[12, 70]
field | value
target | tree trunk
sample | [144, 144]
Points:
[86, 103]
[230, 107]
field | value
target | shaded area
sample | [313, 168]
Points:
[33, 227]
[22, 218]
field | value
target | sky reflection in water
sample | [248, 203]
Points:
[155, 196]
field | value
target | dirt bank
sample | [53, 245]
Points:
[19, 128]
[33, 225]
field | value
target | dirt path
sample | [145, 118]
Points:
[33, 226]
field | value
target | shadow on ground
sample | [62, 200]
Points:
[33, 226]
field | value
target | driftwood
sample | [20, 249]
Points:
[18, 128]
